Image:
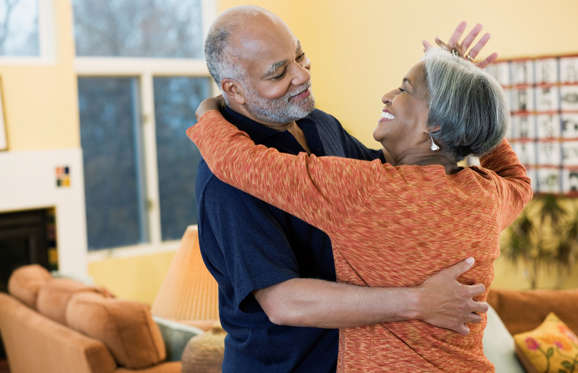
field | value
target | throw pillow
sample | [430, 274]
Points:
[126, 328]
[205, 352]
[25, 283]
[551, 347]
[176, 336]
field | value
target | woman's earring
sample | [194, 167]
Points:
[434, 147]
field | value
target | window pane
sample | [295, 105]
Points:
[176, 100]
[138, 28]
[19, 28]
[111, 147]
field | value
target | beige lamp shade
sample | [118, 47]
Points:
[189, 292]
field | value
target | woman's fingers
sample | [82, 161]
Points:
[471, 37]
[457, 35]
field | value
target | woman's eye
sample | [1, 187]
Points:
[300, 57]
[401, 90]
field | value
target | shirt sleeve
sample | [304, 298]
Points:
[319, 190]
[514, 185]
[253, 250]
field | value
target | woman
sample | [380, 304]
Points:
[395, 224]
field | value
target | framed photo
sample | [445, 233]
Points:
[569, 70]
[548, 126]
[3, 136]
[570, 181]
[547, 70]
[549, 180]
[570, 126]
[522, 72]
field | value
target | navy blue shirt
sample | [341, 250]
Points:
[249, 245]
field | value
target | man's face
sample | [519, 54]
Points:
[277, 80]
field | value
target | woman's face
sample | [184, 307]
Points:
[403, 124]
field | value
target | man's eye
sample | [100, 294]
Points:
[277, 77]
[300, 57]
[401, 90]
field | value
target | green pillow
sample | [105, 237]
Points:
[499, 345]
[176, 336]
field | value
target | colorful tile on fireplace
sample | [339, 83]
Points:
[62, 176]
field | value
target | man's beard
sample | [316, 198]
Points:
[279, 110]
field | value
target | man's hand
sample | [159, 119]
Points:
[208, 104]
[446, 303]
[462, 48]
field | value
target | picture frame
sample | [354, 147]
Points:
[542, 96]
[3, 125]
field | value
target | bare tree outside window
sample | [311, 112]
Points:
[138, 28]
[19, 28]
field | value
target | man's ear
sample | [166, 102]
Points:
[233, 90]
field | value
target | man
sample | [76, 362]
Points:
[278, 298]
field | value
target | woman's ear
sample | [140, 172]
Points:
[233, 90]
[433, 128]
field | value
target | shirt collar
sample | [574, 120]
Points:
[256, 131]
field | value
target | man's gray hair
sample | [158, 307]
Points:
[219, 62]
[467, 103]
[219, 58]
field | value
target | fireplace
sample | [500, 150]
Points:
[26, 237]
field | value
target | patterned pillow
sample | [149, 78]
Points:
[551, 347]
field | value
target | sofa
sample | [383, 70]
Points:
[514, 312]
[58, 325]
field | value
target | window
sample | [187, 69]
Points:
[138, 28]
[140, 78]
[176, 100]
[111, 138]
[19, 24]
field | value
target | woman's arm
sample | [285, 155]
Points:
[319, 190]
[514, 185]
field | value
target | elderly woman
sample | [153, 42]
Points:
[396, 224]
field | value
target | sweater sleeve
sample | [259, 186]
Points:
[514, 185]
[319, 190]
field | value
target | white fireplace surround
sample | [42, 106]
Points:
[28, 181]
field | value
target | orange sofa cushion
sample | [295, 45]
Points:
[54, 296]
[126, 328]
[526, 310]
[25, 282]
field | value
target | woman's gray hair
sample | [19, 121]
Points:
[466, 103]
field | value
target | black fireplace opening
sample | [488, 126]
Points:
[26, 237]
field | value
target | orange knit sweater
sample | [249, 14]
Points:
[390, 226]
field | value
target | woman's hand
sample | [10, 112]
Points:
[211, 103]
[461, 49]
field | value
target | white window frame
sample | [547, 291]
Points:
[145, 70]
[46, 39]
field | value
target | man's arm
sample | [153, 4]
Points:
[441, 301]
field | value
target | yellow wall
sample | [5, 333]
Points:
[41, 99]
[136, 278]
[359, 50]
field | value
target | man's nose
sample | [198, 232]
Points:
[302, 74]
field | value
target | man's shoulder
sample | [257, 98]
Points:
[321, 117]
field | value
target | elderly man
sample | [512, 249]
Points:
[278, 298]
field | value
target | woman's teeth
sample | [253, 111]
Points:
[388, 116]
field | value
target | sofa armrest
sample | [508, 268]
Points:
[34, 343]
